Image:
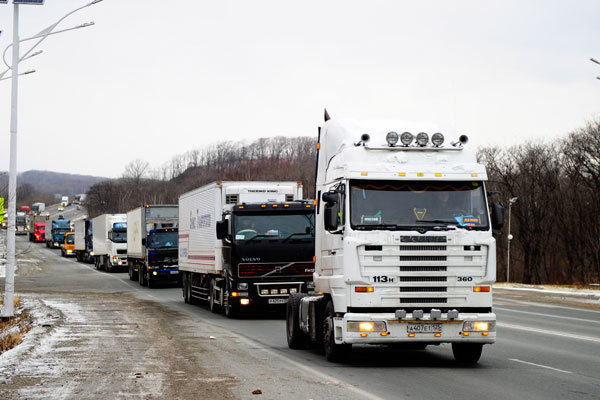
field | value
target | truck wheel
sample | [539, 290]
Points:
[296, 339]
[333, 352]
[185, 289]
[47, 244]
[467, 353]
[230, 310]
[107, 265]
[131, 272]
[212, 304]
[151, 282]
[97, 263]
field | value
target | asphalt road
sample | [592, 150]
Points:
[544, 351]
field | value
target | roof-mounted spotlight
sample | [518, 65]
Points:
[437, 139]
[422, 139]
[406, 138]
[391, 138]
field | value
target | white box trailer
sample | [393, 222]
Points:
[109, 241]
[83, 240]
[152, 243]
[264, 251]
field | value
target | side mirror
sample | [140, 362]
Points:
[143, 241]
[222, 229]
[330, 197]
[331, 217]
[497, 215]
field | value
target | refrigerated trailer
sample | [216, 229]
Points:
[83, 240]
[152, 244]
[245, 245]
[404, 246]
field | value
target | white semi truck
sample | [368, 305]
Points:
[83, 240]
[109, 242]
[404, 246]
[245, 245]
[152, 244]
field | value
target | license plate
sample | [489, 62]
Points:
[174, 272]
[424, 328]
[278, 301]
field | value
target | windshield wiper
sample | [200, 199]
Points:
[384, 227]
[254, 237]
[294, 234]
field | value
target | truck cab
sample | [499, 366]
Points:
[67, 248]
[39, 231]
[404, 246]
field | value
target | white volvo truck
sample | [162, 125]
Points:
[404, 247]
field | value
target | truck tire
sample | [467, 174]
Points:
[333, 352]
[78, 256]
[97, 263]
[132, 276]
[151, 282]
[107, 265]
[296, 339]
[48, 244]
[467, 353]
[212, 304]
[185, 289]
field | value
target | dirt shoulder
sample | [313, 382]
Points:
[578, 300]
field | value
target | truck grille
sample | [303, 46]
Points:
[423, 279]
[423, 239]
[423, 258]
[122, 251]
[423, 269]
[275, 269]
[423, 289]
[422, 248]
[423, 300]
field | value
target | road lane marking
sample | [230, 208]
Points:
[547, 332]
[547, 305]
[548, 315]
[540, 365]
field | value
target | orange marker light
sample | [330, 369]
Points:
[411, 335]
[364, 289]
[437, 334]
[384, 333]
[481, 289]
[235, 294]
[484, 333]
[466, 333]
[364, 334]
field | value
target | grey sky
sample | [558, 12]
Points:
[156, 78]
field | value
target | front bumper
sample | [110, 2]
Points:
[164, 273]
[70, 253]
[397, 331]
[119, 262]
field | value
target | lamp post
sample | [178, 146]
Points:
[509, 238]
[8, 309]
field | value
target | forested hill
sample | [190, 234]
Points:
[54, 182]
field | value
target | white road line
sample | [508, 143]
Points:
[545, 305]
[540, 365]
[547, 315]
[547, 332]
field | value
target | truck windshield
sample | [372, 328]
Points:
[70, 239]
[119, 236]
[20, 220]
[163, 239]
[273, 226]
[428, 204]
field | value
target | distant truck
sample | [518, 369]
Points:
[37, 208]
[55, 232]
[79, 199]
[67, 248]
[83, 240]
[26, 210]
[245, 245]
[153, 243]
[37, 228]
[64, 202]
[21, 224]
[109, 242]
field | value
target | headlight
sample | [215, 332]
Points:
[406, 138]
[422, 139]
[283, 291]
[392, 138]
[479, 326]
[264, 291]
[366, 326]
[437, 139]
[242, 285]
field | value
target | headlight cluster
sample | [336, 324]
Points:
[421, 140]
[479, 326]
[366, 326]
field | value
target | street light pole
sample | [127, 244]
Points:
[8, 309]
[509, 238]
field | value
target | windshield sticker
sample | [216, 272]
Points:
[467, 220]
[420, 213]
[240, 237]
[371, 219]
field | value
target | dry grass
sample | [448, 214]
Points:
[9, 341]
[16, 302]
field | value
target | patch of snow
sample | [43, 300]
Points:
[550, 289]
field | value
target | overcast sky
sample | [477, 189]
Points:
[153, 79]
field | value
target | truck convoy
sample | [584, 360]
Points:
[55, 232]
[109, 242]
[152, 244]
[37, 228]
[67, 248]
[83, 240]
[245, 244]
[404, 246]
